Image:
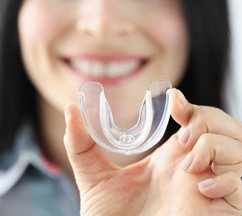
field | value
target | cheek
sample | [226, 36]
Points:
[168, 32]
[39, 21]
[168, 29]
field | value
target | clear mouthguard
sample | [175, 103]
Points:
[151, 124]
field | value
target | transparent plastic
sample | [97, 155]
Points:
[151, 124]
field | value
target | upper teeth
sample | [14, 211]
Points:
[99, 69]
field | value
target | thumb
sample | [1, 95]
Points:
[88, 163]
[172, 150]
[181, 110]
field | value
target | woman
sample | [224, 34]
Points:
[48, 47]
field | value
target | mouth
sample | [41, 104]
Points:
[107, 69]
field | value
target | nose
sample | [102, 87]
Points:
[103, 18]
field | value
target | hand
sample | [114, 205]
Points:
[216, 146]
[157, 185]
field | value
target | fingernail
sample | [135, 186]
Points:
[182, 98]
[186, 163]
[67, 114]
[183, 136]
[206, 183]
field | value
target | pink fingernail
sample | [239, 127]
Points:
[206, 183]
[186, 163]
[183, 137]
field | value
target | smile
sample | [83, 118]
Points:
[106, 68]
[98, 69]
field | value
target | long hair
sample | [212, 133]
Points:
[208, 29]
[17, 95]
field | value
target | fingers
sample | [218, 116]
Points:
[223, 155]
[220, 169]
[227, 186]
[220, 150]
[88, 163]
[197, 120]
[181, 110]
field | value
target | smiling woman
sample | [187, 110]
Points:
[49, 47]
[104, 41]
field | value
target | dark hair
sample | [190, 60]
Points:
[208, 29]
[17, 95]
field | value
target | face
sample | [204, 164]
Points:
[122, 44]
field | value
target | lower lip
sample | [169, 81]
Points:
[104, 80]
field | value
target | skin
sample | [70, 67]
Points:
[149, 28]
[47, 33]
[163, 183]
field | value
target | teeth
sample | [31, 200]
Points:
[98, 69]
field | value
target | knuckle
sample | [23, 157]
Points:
[203, 150]
[204, 141]
[200, 119]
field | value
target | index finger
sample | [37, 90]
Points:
[213, 148]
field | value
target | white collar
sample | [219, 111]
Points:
[25, 153]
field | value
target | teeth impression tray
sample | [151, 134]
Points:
[150, 127]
